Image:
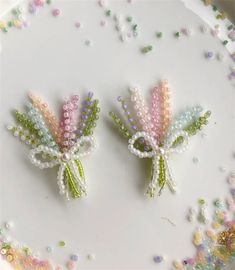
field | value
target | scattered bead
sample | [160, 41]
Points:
[129, 18]
[209, 55]
[158, 259]
[74, 257]
[56, 12]
[77, 24]
[222, 169]
[195, 160]
[123, 38]
[177, 34]
[178, 265]
[9, 225]
[102, 3]
[108, 13]
[218, 203]
[220, 56]
[231, 35]
[88, 42]
[201, 202]
[186, 31]
[49, 249]
[159, 34]
[91, 257]
[70, 265]
[215, 32]
[231, 178]
[191, 216]
[61, 243]
[225, 42]
[147, 49]
[103, 23]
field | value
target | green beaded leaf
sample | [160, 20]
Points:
[119, 123]
[198, 124]
[125, 131]
[25, 122]
[25, 136]
[193, 128]
[93, 117]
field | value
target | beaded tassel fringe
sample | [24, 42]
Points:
[59, 142]
[152, 133]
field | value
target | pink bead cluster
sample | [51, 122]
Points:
[39, 2]
[165, 108]
[157, 121]
[68, 122]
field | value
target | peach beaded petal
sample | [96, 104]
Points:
[141, 109]
[165, 109]
[49, 116]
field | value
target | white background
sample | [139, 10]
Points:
[116, 222]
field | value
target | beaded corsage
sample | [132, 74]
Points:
[154, 135]
[59, 143]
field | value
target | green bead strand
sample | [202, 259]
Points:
[30, 138]
[198, 124]
[162, 174]
[71, 182]
[93, 117]
[124, 130]
[80, 169]
[26, 123]
[161, 178]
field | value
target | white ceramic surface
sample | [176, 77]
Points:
[116, 222]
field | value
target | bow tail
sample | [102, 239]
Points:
[153, 185]
[169, 181]
[160, 176]
[75, 180]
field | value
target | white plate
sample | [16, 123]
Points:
[116, 221]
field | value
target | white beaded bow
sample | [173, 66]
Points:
[65, 160]
[158, 152]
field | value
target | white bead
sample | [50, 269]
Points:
[9, 225]
[9, 127]
[16, 133]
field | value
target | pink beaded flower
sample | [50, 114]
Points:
[153, 134]
[61, 143]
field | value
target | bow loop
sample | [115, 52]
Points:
[177, 141]
[147, 138]
[82, 147]
[44, 157]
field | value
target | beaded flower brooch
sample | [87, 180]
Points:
[61, 143]
[154, 135]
